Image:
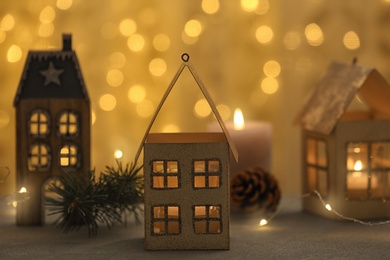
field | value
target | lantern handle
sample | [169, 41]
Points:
[185, 57]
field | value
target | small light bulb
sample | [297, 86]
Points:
[118, 154]
[23, 190]
[328, 207]
[263, 222]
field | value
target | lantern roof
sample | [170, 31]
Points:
[333, 94]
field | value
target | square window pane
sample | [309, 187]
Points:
[380, 184]
[200, 226]
[199, 181]
[159, 227]
[64, 161]
[158, 212]
[73, 161]
[34, 160]
[311, 151]
[43, 129]
[200, 211]
[173, 227]
[357, 180]
[321, 154]
[72, 129]
[357, 156]
[173, 182]
[213, 166]
[44, 161]
[214, 212]
[173, 212]
[311, 178]
[199, 166]
[34, 129]
[172, 167]
[322, 182]
[63, 129]
[380, 155]
[213, 181]
[158, 182]
[215, 226]
[158, 167]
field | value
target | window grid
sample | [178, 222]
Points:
[165, 174]
[39, 124]
[68, 124]
[166, 220]
[207, 219]
[69, 156]
[206, 173]
[368, 170]
[317, 166]
[39, 157]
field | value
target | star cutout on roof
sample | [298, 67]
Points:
[52, 75]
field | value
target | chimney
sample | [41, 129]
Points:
[66, 42]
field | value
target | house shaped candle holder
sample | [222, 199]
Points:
[52, 125]
[187, 184]
[346, 154]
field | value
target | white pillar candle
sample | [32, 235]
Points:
[253, 140]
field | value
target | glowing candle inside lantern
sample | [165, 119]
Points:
[252, 140]
[358, 179]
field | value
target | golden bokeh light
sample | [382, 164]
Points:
[107, 102]
[93, 117]
[193, 28]
[64, 4]
[269, 85]
[127, 27]
[136, 42]
[46, 30]
[161, 42]
[4, 119]
[14, 53]
[171, 128]
[249, 5]
[264, 34]
[8, 22]
[292, 40]
[136, 94]
[351, 40]
[187, 39]
[202, 108]
[117, 60]
[145, 108]
[271, 68]
[114, 77]
[224, 111]
[2, 36]
[118, 154]
[157, 67]
[109, 31]
[210, 6]
[314, 35]
[47, 15]
[262, 7]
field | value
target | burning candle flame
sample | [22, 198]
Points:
[358, 165]
[23, 190]
[239, 122]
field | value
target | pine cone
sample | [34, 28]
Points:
[253, 189]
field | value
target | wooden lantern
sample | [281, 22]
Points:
[52, 125]
[346, 153]
[187, 184]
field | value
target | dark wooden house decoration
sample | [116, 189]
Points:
[346, 153]
[52, 125]
[187, 184]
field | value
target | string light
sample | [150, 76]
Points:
[16, 197]
[328, 207]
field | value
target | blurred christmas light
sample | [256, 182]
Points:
[271, 68]
[4, 119]
[127, 27]
[202, 108]
[264, 34]
[263, 7]
[64, 4]
[2, 36]
[187, 39]
[314, 35]
[47, 15]
[107, 102]
[351, 40]
[224, 111]
[161, 42]
[93, 117]
[118, 154]
[136, 42]
[117, 60]
[157, 67]
[8, 22]
[145, 108]
[249, 5]
[46, 30]
[171, 128]
[193, 28]
[269, 85]
[114, 77]
[14, 53]
[136, 94]
[210, 6]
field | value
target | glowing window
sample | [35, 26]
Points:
[207, 219]
[39, 157]
[207, 173]
[166, 220]
[165, 175]
[39, 124]
[69, 156]
[68, 124]
[317, 166]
